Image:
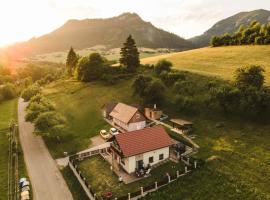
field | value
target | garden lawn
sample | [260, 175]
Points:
[97, 171]
[8, 112]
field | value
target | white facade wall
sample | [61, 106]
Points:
[155, 154]
[136, 126]
[130, 126]
[130, 162]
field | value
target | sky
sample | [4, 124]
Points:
[21, 20]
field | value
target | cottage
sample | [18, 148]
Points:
[135, 150]
[127, 117]
[153, 113]
[107, 109]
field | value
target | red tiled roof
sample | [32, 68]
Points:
[144, 140]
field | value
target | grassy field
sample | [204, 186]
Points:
[238, 155]
[8, 112]
[220, 61]
[97, 171]
[81, 105]
[112, 54]
[237, 163]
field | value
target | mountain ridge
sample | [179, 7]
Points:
[110, 32]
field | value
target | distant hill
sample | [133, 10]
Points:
[219, 61]
[111, 32]
[230, 25]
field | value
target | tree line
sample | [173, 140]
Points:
[12, 83]
[96, 67]
[254, 33]
[246, 96]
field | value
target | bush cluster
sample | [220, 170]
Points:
[30, 92]
[255, 33]
[7, 92]
[149, 90]
[42, 113]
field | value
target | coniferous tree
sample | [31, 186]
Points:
[71, 61]
[130, 55]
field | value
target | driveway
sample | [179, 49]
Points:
[46, 179]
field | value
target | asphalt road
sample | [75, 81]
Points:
[46, 179]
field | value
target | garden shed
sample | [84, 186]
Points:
[183, 125]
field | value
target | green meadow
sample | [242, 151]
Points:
[237, 156]
[218, 61]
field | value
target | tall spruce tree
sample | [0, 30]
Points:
[130, 57]
[71, 61]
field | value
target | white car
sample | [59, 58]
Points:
[104, 134]
[114, 131]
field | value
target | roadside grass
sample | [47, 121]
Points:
[219, 61]
[73, 184]
[8, 112]
[81, 104]
[97, 171]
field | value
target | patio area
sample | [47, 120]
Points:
[127, 178]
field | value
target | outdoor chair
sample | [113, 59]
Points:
[147, 173]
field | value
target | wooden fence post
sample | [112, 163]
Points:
[195, 164]
[188, 161]
[95, 196]
[169, 178]
[128, 196]
[185, 169]
[178, 155]
[177, 173]
[142, 191]
[156, 187]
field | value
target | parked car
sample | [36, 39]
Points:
[104, 134]
[114, 131]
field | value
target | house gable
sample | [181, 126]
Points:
[137, 117]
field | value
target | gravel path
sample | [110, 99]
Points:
[46, 179]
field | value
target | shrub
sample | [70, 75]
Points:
[35, 109]
[109, 79]
[140, 84]
[170, 78]
[8, 91]
[184, 87]
[184, 104]
[31, 91]
[37, 105]
[90, 68]
[47, 120]
[163, 65]
[154, 92]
